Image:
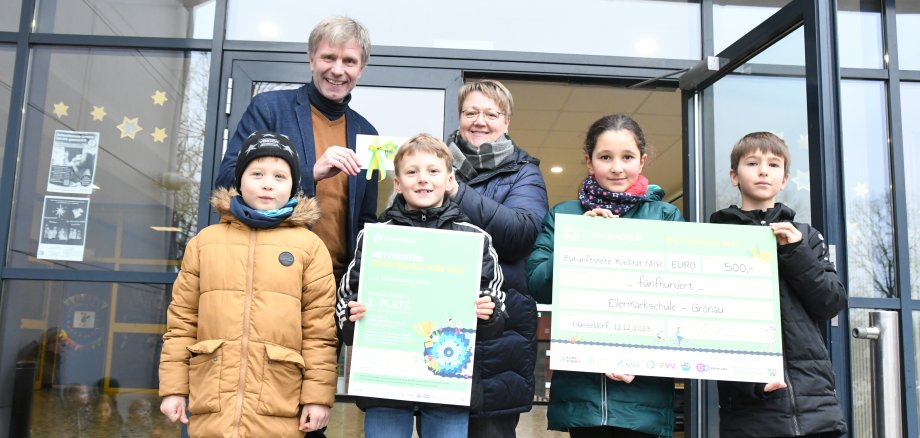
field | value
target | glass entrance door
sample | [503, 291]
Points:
[779, 77]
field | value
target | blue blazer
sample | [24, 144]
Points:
[288, 112]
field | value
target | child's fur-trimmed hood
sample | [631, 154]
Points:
[306, 212]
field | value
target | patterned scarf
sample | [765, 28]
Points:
[592, 196]
[470, 160]
[260, 218]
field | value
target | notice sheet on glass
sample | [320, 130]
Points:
[670, 299]
[73, 162]
[418, 336]
[63, 228]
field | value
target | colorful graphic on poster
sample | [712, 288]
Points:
[448, 350]
[418, 337]
[376, 152]
[73, 162]
[63, 228]
[668, 299]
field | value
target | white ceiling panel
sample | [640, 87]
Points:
[605, 100]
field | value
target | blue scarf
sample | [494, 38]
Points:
[260, 218]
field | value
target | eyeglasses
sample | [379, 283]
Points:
[471, 114]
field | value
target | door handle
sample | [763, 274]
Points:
[885, 368]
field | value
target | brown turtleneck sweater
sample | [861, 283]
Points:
[332, 193]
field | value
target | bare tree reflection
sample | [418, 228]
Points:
[188, 153]
[913, 242]
[870, 251]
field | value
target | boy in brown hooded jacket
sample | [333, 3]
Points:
[250, 334]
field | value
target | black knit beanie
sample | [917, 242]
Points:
[268, 144]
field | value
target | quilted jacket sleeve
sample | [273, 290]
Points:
[181, 325]
[515, 221]
[490, 285]
[348, 291]
[807, 268]
[319, 340]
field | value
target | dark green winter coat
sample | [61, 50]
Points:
[591, 399]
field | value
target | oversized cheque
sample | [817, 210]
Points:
[668, 299]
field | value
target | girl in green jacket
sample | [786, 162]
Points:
[589, 405]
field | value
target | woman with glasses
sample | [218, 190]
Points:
[500, 188]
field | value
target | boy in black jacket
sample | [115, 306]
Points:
[424, 171]
[805, 403]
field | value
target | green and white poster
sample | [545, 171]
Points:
[418, 336]
[668, 299]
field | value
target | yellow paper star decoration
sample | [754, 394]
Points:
[129, 127]
[159, 134]
[60, 110]
[159, 97]
[98, 112]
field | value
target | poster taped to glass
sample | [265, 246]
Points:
[63, 228]
[73, 162]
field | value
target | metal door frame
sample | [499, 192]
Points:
[818, 18]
